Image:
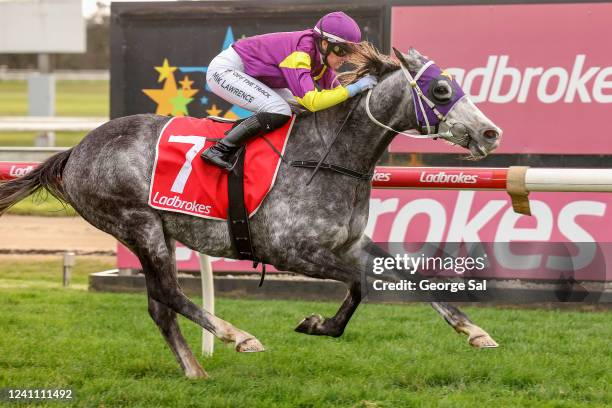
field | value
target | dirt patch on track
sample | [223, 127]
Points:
[46, 235]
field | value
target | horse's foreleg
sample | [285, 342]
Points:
[459, 321]
[344, 267]
[166, 320]
[318, 325]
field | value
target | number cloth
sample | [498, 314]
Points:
[183, 183]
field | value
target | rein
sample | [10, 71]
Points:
[329, 146]
[321, 164]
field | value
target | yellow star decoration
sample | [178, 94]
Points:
[186, 83]
[162, 96]
[169, 100]
[214, 111]
[446, 74]
[165, 70]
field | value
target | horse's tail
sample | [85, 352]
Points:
[47, 175]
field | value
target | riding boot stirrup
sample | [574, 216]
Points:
[220, 154]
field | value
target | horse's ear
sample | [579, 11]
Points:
[397, 52]
[400, 57]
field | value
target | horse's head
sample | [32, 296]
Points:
[442, 108]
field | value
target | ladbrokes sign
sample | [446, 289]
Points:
[542, 72]
[582, 83]
[443, 177]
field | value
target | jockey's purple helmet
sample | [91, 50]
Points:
[337, 27]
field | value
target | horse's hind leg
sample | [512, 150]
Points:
[166, 320]
[162, 285]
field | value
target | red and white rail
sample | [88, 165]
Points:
[447, 178]
[476, 178]
[11, 170]
[518, 181]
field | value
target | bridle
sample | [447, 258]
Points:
[429, 116]
[428, 113]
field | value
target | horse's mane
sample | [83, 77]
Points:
[366, 59]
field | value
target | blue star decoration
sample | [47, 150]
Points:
[228, 40]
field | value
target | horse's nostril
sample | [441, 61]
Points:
[491, 134]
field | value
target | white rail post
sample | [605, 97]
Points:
[208, 301]
[69, 261]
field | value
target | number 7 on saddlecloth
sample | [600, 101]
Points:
[181, 179]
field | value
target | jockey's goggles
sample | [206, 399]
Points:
[341, 50]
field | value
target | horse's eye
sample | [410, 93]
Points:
[442, 91]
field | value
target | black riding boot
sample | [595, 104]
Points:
[220, 153]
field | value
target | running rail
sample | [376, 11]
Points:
[518, 181]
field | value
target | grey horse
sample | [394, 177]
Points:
[315, 229]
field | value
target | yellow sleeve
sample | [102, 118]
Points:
[319, 100]
[296, 60]
[297, 71]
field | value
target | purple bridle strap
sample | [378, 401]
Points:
[428, 113]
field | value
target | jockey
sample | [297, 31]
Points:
[266, 73]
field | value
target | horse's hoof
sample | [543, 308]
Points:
[250, 345]
[482, 341]
[195, 375]
[310, 323]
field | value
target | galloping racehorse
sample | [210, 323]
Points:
[316, 228]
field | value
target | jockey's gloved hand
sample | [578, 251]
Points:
[363, 84]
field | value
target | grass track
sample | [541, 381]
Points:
[106, 347]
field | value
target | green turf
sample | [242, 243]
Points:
[42, 204]
[18, 269]
[106, 348]
[73, 98]
[28, 139]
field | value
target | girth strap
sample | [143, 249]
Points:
[237, 216]
[311, 164]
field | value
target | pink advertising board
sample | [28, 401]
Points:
[542, 72]
[469, 216]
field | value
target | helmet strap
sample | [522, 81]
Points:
[324, 52]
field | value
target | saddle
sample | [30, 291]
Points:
[182, 182]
